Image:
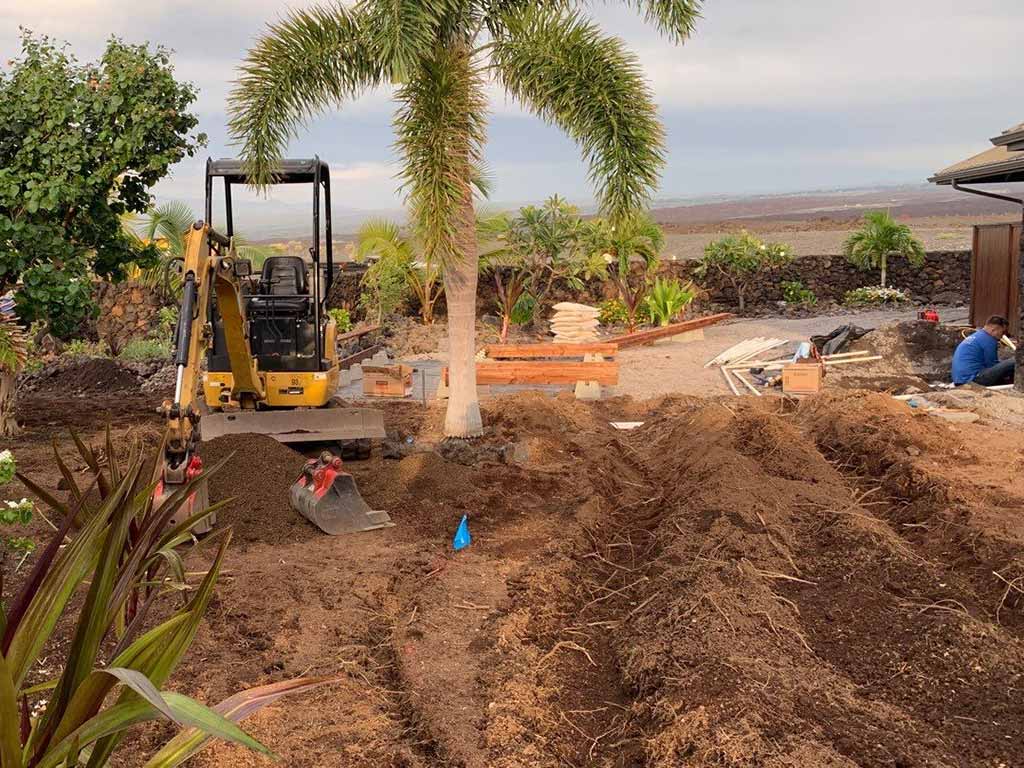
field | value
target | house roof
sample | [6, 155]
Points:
[1002, 163]
[1011, 137]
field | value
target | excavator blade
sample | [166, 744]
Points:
[328, 498]
[298, 426]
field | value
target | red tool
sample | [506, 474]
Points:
[929, 315]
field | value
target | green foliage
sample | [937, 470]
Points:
[528, 254]
[874, 296]
[612, 312]
[525, 310]
[12, 513]
[341, 319]
[84, 348]
[13, 346]
[627, 252]
[80, 146]
[101, 572]
[384, 287]
[879, 238]
[166, 322]
[667, 299]
[740, 259]
[384, 239]
[147, 350]
[794, 292]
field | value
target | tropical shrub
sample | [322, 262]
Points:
[14, 352]
[396, 271]
[86, 348]
[880, 238]
[12, 513]
[121, 548]
[147, 350]
[874, 296]
[667, 299]
[741, 259]
[611, 312]
[794, 292]
[627, 252]
[341, 318]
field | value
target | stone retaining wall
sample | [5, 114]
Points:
[127, 311]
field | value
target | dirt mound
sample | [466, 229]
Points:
[257, 476]
[761, 591]
[914, 353]
[69, 375]
[535, 414]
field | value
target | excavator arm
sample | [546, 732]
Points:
[210, 269]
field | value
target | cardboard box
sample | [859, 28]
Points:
[802, 378]
[387, 380]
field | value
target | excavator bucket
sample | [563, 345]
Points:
[298, 426]
[327, 496]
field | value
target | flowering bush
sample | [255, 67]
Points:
[874, 296]
[740, 259]
[13, 513]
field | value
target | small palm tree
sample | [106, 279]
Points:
[630, 250]
[880, 237]
[385, 240]
[440, 54]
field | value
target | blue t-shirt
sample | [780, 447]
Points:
[974, 354]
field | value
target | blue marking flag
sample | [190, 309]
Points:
[462, 538]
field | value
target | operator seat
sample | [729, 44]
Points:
[284, 277]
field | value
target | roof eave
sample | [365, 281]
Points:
[1008, 139]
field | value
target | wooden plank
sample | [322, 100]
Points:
[546, 372]
[647, 337]
[558, 349]
[364, 354]
[343, 337]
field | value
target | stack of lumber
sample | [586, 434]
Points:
[745, 350]
[736, 369]
[574, 323]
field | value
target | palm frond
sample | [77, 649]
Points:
[440, 129]
[400, 33]
[675, 19]
[13, 345]
[381, 238]
[313, 59]
[169, 221]
[561, 67]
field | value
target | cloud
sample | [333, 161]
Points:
[767, 95]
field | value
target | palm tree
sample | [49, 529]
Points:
[440, 54]
[879, 238]
[630, 249]
[385, 240]
[166, 225]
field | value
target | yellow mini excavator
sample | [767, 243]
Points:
[270, 354]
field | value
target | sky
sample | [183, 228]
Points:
[767, 97]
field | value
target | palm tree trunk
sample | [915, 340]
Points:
[8, 425]
[460, 276]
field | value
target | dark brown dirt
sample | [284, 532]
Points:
[739, 583]
[258, 474]
[87, 374]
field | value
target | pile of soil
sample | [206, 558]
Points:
[914, 353]
[75, 375]
[771, 587]
[258, 473]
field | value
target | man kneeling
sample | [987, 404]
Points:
[977, 357]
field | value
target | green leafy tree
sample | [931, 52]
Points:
[878, 239]
[80, 146]
[741, 259]
[440, 54]
[629, 249]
